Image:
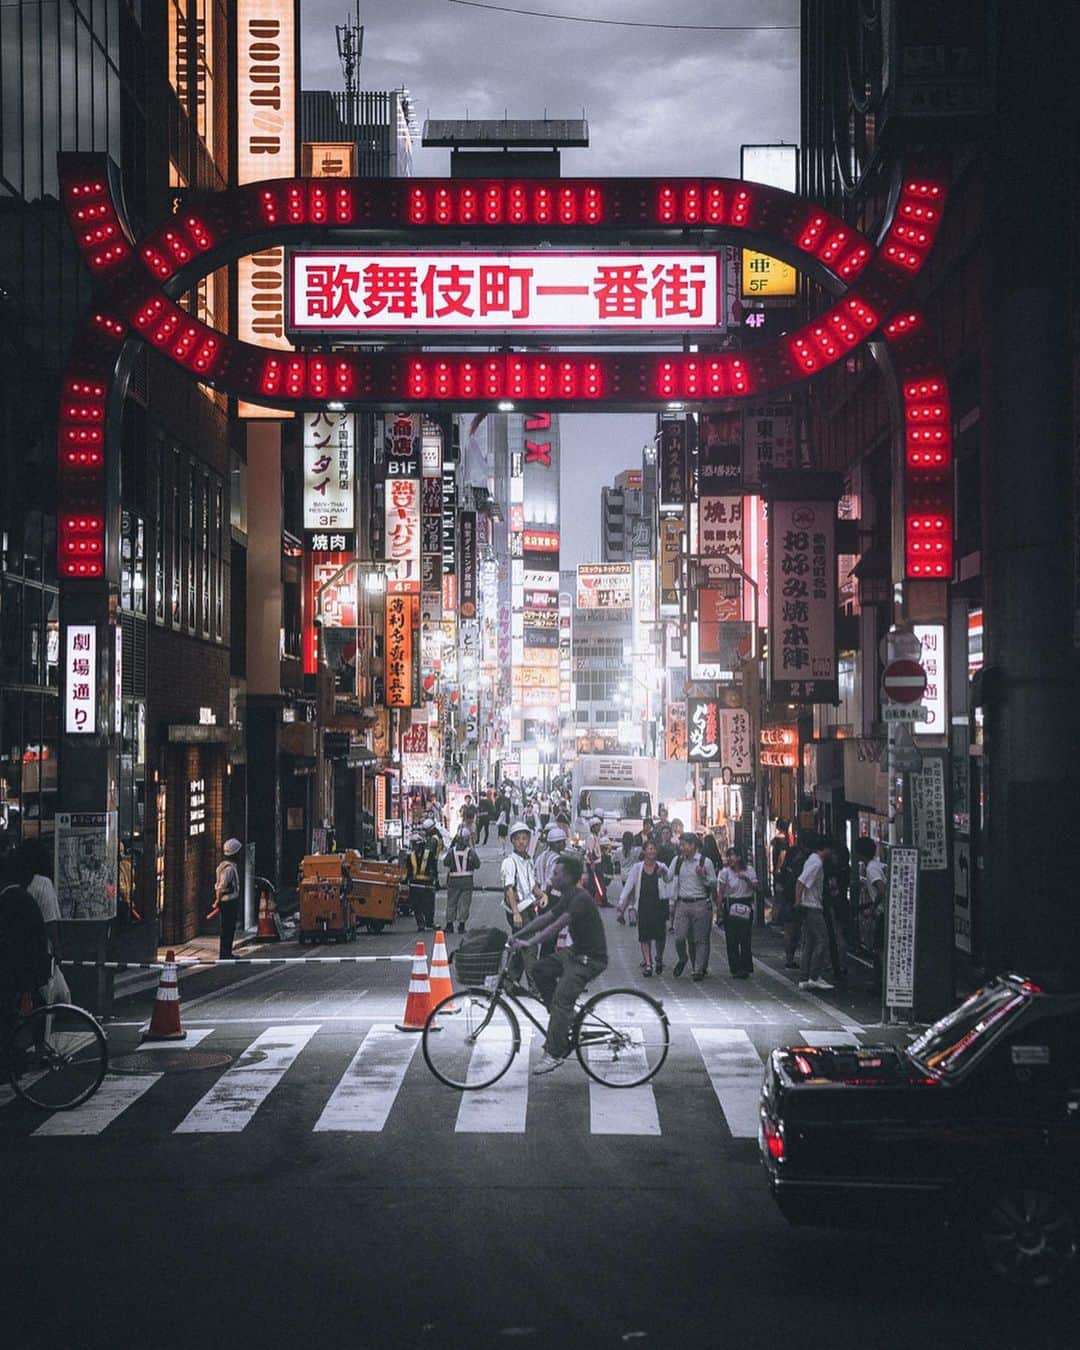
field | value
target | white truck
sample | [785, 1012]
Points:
[619, 789]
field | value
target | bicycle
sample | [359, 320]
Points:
[56, 1056]
[620, 1036]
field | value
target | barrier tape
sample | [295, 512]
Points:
[235, 961]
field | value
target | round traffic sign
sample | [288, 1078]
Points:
[904, 681]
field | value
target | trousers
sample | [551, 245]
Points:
[459, 892]
[815, 943]
[561, 980]
[422, 900]
[738, 933]
[228, 910]
[693, 932]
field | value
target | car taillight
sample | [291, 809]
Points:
[772, 1136]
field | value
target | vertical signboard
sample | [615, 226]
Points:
[932, 640]
[720, 529]
[802, 601]
[900, 930]
[926, 793]
[467, 576]
[80, 680]
[768, 439]
[702, 730]
[671, 537]
[672, 466]
[266, 41]
[402, 667]
[329, 491]
[720, 453]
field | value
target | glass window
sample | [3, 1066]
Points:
[11, 617]
[219, 562]
[953, 1042]
[175, 593]
[133, 563]
[159, 548]
[193, 491]
[204, 77]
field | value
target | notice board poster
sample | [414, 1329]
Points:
[900, 932]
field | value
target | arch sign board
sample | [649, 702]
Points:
[638, 255]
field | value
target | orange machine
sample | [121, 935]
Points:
[372, 890]
[325, 913]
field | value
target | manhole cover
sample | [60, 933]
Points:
[169, 1061]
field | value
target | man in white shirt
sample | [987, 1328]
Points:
[554, 838]
[737, 885]
[695, 881]
[518, 875]
[809, 900]
[44, 893]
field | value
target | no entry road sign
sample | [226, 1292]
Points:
[904, 681]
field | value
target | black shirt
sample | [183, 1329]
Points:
[586, 926]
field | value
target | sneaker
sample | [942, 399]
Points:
[547, 1063]
[806, 984]
[646, 971]
[698, 976]
[461, 928]
[821, 984]
[659, 967]
[678, 968]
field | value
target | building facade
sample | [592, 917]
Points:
[999, 635]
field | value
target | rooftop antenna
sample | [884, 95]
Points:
[350, 46]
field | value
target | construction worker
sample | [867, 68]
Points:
[422, 871]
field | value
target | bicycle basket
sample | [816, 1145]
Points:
[474, 967]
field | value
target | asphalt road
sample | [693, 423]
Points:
[296, 1176]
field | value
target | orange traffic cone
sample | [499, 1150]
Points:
[418, 1003]
[267, 930]
[441, 984]
[165, 1018]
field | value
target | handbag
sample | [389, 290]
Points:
[55, 989]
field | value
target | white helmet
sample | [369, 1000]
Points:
[519, 827]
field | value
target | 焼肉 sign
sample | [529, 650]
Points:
[356, 291]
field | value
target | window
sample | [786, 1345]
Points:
[219, 561]
[159, 549]
[204, 555]
[175, 593]
[193, 491]
[133, 563]
[955, 1040]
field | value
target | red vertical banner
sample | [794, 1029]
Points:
[398, 648]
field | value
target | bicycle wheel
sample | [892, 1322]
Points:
[58, 1057]
[475, 1047]
[621, 1037]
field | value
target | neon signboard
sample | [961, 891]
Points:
[378, 291]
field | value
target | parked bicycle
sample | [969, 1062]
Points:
[620, 1036]
[56, 1056]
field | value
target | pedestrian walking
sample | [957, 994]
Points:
[594, 862]
[461, 862]
[778, 847]
[227, 897]
[554, 841]
[518, 876]
[422, 874]
[483, 818]
[737, 885]
[644, 899]
[789, 916]
[809, 899]
[695, 882]
[838, 910]
[43, 891]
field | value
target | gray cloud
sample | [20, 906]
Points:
[657, 101]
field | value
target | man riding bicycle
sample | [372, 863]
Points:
[562, 977]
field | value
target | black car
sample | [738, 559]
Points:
[975, 1125]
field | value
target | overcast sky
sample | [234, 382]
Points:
[658, 101]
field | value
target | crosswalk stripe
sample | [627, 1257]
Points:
[735, 1071]
[194, 1036]
[116, 1093]
[501, 1108]
[622, 1110]
[824, 1038]
[233, 1100]
[362, 1100]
